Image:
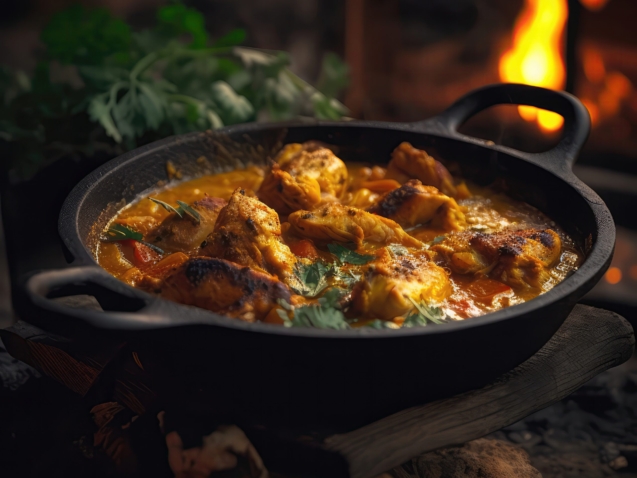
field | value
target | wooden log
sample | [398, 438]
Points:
[589, 342]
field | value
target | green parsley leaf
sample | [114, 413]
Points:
[178, 19]
[312, 278]
[320, 316]
[334, 76]
[234, 108]
[343, 254]
[235, 37]
[82, 36]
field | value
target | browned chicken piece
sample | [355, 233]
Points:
[183, 234]
[224, 287]
[249, 233]
[337, 223]
[413, 204]
[521, 259]
[408, 163]
[392, 282]
[308, 165]
[286, 193]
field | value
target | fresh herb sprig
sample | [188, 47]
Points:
[183, 208]
[120, 232]
[324, 315]
[102, 87]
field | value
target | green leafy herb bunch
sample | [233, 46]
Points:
[100, 85]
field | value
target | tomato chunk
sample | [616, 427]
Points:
[144, 255]
[486, 290]
[304, 248]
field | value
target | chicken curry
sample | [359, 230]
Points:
[312, 241]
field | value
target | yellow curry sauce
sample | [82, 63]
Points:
[479, 252]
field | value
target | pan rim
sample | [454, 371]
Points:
[577, 284]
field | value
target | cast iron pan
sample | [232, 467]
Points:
[310, 377]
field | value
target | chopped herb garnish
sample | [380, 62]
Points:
[312, 278]
[343, 254]
[324, 315]
[167, 206]
[424, 313]
[438, 239]
[348, 278]
[120, 232]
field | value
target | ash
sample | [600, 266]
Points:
[592, 433]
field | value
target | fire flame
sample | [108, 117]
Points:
[535, 57]
[610, 88]
[594, 5]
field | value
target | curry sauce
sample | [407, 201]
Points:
[313, 241]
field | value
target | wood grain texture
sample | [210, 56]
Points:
[589, 342]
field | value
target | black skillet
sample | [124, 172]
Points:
[309, 376]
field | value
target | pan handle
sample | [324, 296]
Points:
[123, 307]
[577, 121]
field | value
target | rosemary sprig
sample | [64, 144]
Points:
[190, 211]
[120, 232]
[183, 208]
[166, 206]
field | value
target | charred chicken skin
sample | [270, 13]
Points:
[413, 204]
[393, 283]
[304, 176]
[248, 233]
[224, 287]
[521, 259]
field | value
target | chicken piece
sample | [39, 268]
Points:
[413, 204]
[183, 234]
[225, 288]
[391, 281]
[337, 223]
[249, 233]
[311, 165]
[521, 259]
[408, 163]
[285, 193]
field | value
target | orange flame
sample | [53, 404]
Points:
[594, 5]
[535, 57]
